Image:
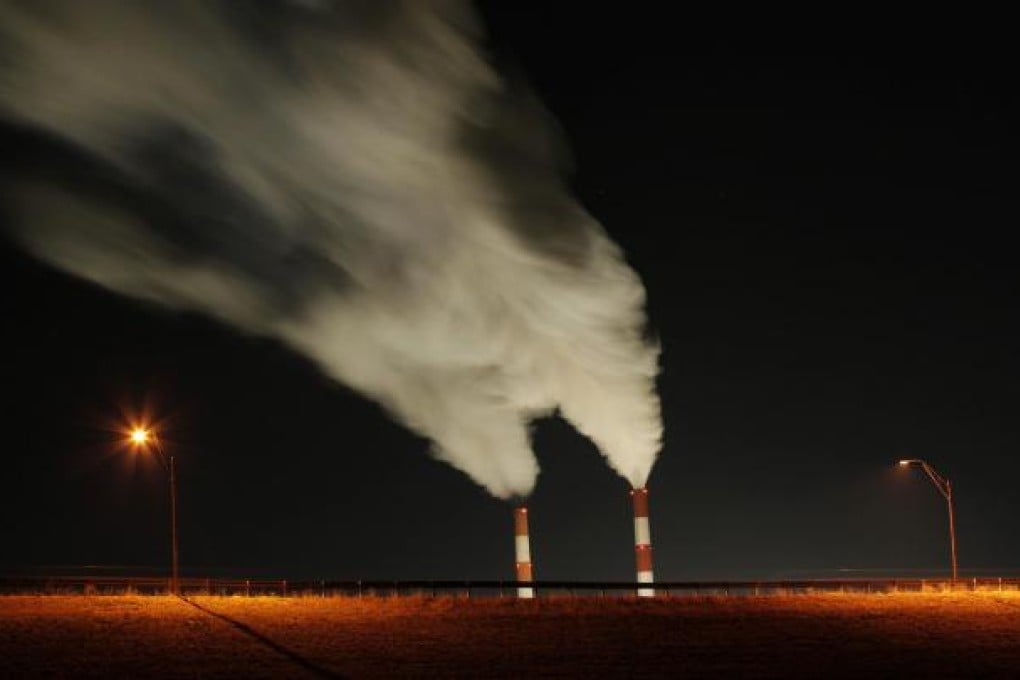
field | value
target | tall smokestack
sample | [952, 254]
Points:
[642, 540]
[522, 551]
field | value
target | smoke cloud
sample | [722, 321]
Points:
[353, 179]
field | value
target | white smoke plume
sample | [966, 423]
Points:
[351, 178]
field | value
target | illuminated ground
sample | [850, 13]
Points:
[804, 635]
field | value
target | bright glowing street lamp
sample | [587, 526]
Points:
[142, 438]
[946, 489]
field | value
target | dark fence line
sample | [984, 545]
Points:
[436, 588]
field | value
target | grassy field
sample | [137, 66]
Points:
[923, 635]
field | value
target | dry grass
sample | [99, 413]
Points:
[920, 634]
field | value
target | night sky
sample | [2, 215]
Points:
[823, 226]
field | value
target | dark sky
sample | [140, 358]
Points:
[823, 226]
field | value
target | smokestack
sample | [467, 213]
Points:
[642, 541]
[522, 551]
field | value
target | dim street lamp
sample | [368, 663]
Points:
[946, 489]
[145, 439]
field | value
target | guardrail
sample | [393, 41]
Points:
[436, 588]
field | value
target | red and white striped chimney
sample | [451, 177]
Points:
[522, 551]
[642, 541]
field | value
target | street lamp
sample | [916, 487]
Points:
[946, 489]
[142, 438]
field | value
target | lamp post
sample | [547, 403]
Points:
[142, 438]
[946, 489]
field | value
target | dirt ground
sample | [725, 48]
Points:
[920, 635]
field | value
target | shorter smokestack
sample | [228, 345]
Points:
[522, 551]
[642, 541]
